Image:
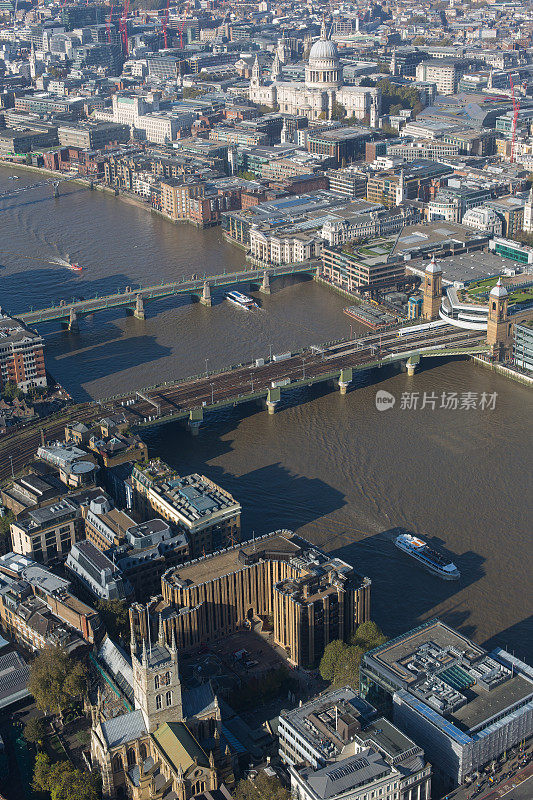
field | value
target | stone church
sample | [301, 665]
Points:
[169, 746]
[322, 88]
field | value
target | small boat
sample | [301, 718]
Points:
[75, 267]
[13, 178]
[433, 561]
[242, 300]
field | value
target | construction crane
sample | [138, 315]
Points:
[165, 23]
[180, 29]
[123, 27]
[516, 109]
[108, 24]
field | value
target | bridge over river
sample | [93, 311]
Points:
[133, 299]
[266, 379]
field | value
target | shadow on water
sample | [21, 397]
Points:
[109, 355]
[518, 639]
[403, 593]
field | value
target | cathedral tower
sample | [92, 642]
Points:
[156, 681]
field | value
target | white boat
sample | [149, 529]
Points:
[434, 562]
[242, 300]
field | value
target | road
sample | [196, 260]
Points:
[19, 447]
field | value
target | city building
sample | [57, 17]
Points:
[410, 182]
[140, 553]
[21, 355]
[483, 219]
[38, 609]
[439, 71]
[311, 598]
[432, 292]
[337, 748]
[46, 534]
[208, 514]
[465, 706]
[523, 346]
[322, 91]
[96, 573]
[350, 267]
[92, 135]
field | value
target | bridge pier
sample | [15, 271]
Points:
[345, 378]
[139, 312]
[73, 324]
[56, 188]
[411, 364]
[196, 416]
[272, 400]
[265, 286]
[205, 299]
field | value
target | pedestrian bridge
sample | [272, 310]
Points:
[134, 298]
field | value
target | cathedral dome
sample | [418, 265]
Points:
[323, 50]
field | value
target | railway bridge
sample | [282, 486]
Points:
[266, 379]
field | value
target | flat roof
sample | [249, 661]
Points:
[222, 563]
[488, 704]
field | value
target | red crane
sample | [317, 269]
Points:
[165, 23]
[123, 27]
[516, 109]
[180, 30]
[108, 24]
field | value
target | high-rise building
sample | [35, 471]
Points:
[21, 355]
[311, 598]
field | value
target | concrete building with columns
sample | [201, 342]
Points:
[311, 598]
[323, 87]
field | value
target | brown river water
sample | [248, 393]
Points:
[335, 469]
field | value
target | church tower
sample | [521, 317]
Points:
[400, 189]
[256, 73]
[498, 325]
[432, 291]
[276, 68]
[156, 681]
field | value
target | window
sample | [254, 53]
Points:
[156, 682]
[169, 698]
[158, 702]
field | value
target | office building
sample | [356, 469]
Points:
[38, 609]
[96, 573]
[350, 267]
[140, 553]
[465, 706]
[336, 747]
[47, 534]
[523, 346]
[312, 599]
[193, 504]
[439, 71]
[21, 355]
[93, 135]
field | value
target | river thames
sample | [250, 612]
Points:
[333, 468]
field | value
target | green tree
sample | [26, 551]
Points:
[383, 67]
[56, 679]
[116, 618]
[191, 92]
[338, 112]
[12, 391]
[419, 41]
[35, 731]
[346, 672]
[367, 82]
[63, 781]
[5, 532]
[263, 787]
[368, 635]
[332, 653]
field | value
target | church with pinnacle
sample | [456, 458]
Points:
[323, 88]
[169, 746]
